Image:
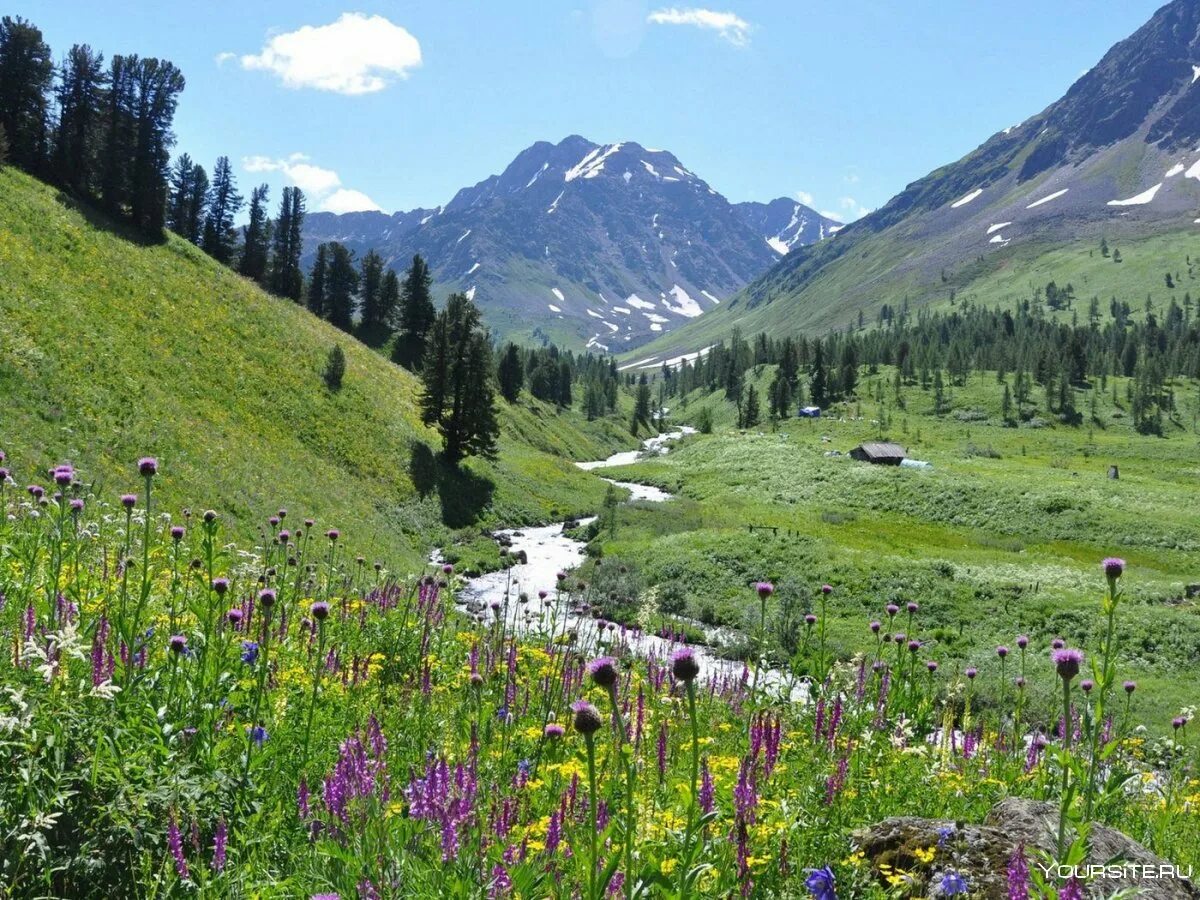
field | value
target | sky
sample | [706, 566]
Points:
[395, 105]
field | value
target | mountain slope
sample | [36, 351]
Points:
[1116, 157]
[585, 244]
[110, 350]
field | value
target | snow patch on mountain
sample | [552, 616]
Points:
[592, 164]
[965, 199]
[997, 226]
[559, 294]
[594, 315]
[778, 246]
[638, 303]
[1047, 198]
[711, 297]
[1144, 197]
[684, 305]
[553, 308]
[1174, 170]
[554, 205]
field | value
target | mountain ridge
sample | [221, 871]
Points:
[604, 245]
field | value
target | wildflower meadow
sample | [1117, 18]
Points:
[183, 717]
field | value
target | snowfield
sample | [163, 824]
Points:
[966, 198]
[1144, 197]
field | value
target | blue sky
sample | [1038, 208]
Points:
[398, 104]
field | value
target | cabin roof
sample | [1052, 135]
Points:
[878, 450]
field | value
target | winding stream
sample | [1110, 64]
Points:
[549, 551]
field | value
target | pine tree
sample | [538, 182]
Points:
[26, 73]
[80, 110]
[372, 328]
[415, 317]
[511, 373]
[341, 281]
[224, 201]
[848, 370]
[751, 411]
[819, 377]
[253, 263]
[285, 277]
[316, 282]
[197, 207]
[120, 135]
[157, 86]
[641, 406]
[564, 398]
[457, 376]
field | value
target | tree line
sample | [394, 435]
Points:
[940, 349]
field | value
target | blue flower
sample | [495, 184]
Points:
[258, 734]
[821, 884]
[249, 652]
[944, 834]
[953, 883]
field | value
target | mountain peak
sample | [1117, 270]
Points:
[603, 245]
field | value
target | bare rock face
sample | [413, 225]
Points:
[981, 853]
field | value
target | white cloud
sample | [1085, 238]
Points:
[357, 54]
[805, 197]
[851, 209]
[226, 56]
[727, 25]
[345, 201]
[321, 184]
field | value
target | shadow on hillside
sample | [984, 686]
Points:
[463, 494]
[101, 221]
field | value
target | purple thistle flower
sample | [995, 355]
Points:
[892, 609]
[554, 730]
[1067, 662]
[220, 586]
[603, 672]
[76, 505]
[178, 643]
[911, 606]
[810, 620]
[1086, 685]
[177, 533]
[220, 837]
[267, 597]
[932, 666]
[1022, 641]
[129, 501]
[147, 466]
[235, 616]
[587, 718]
[1130, 687]
[971, 672]
[1057, 644]
[684, 665]
[765, 589]
[333, 534]
[1002, 651]
[1114, 568]
[876, 625]
[320, 610]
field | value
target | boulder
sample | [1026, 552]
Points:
[981, 853]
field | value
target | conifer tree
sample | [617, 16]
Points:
[26, 72]
[285, 277]
[77, 139]
[415, 317]
[372, 327]
[457, 378]
[510, 373]
[341, 281]
[253, 263]
[316, 282]
[224, 201]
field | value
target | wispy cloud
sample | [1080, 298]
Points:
[323, 186]
[805, 197]
[357, 54]
[727, 25]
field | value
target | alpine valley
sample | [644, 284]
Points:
[582, 244]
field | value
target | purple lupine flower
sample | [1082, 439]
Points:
[220, 837]
[1018, 875]
[1072, 890]
[821, 884]
[302, 795]
[707, 793]
[554, 832]
[661, 751]
[175, 843]
[1067, 662]
[501, 883]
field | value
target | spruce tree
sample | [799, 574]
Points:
[197, 207]
[253, 263]
[819, 377]
[80, 108]
[157, 86]
[510, 373]
[26, 73]
[416, 316]
[372, 328]
[641, 406]
[457, 377]
[285, 277]
[341, 281]
[316, 283]
[224, 201]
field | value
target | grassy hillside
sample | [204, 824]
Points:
[1002, 535]
[110, 349]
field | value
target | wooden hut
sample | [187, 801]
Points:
[879, 453]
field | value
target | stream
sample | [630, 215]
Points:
[549, 551]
